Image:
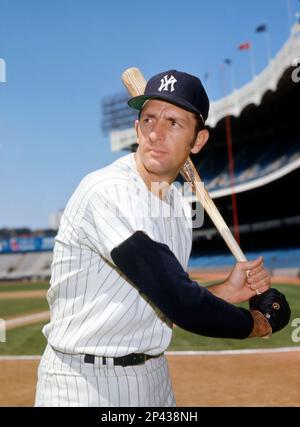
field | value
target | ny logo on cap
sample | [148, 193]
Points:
[165, 82]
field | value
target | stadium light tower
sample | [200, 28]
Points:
[116, 114]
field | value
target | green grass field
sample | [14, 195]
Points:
[29, 340]
[23, 286]
[17, 307]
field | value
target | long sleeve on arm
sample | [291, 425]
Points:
[156, 272]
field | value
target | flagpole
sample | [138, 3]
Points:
[268, 46]
[249, 46]
[232, 73]
[233, 77]
[252, 61]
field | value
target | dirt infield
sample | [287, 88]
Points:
[237, 380]
[23, 294]
[269, 379]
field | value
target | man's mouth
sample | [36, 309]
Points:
[156, 152]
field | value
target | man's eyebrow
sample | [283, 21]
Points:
[176, 118]
[148, 114]
[171, 116]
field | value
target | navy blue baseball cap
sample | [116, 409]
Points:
[182, 89]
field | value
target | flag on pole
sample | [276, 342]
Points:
[264, 29]
[261, 28]
[248, 46]
[244, 46]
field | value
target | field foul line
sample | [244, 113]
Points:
[20, 358]
[190, 353]
[232, 352]
[27, 320]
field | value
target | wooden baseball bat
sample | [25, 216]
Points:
[135, 84]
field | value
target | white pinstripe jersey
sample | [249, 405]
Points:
[94, 309]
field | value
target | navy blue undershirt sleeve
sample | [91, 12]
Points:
[156, 272]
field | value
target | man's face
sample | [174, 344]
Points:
[166, 134]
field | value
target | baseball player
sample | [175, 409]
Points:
[119, 276]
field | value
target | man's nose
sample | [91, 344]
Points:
[157, 132]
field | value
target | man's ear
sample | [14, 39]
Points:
[201, 140]
[136, 126]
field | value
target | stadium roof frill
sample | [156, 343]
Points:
[233, 104]
[268, 79]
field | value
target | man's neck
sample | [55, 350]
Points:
[157, 184]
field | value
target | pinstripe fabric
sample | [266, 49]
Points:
[101, 385]
[94, 310]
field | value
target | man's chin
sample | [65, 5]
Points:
[156, 166]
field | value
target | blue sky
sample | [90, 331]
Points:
[63, 56]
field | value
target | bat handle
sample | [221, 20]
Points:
[233, 246]
[214, 214]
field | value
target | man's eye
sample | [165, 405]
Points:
[147, 120]
[174, 123]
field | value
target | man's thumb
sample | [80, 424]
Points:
[249, 265]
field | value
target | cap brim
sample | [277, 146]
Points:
[137, 102]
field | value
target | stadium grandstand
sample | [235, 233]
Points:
[25, 254]
[265, 133]
[265, 128]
